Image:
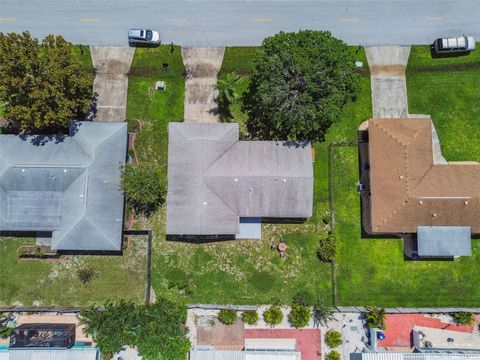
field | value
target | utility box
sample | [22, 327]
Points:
[160, 85]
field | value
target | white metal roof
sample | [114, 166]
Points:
[70, 354]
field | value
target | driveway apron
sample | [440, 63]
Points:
[389, 86]
[112, 64]
[202, 65]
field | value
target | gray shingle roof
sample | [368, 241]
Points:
[69, 185]
[213, 179]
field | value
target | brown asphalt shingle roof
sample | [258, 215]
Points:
[408, 190]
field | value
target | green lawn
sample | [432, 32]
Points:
[83, 54]
[374, 272]
[41, 282]
[448, 90]
[148, 110]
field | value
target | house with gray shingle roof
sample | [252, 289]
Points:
[68, 186]
[214, 180]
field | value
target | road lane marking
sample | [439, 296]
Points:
[177, 20]
[350, 19]
[7, 19]
[262, 20]
[89, 20]
[434, 18]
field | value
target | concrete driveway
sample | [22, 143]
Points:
[112, 65]
[202, 65]
[389, 85]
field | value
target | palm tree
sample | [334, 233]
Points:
[376, 317]
[226, 95]
[322, 314]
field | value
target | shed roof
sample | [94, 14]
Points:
[213, 179]
[408, 189]
[444, 241]
[69, 185]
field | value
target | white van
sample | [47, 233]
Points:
[456, 44]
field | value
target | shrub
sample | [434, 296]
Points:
[303, 298]
[86, 275]
[5, 329]
[327, 248]
[250, 317]
[273, 315]
[333, 355]
[376, 317]
[322, 313]
[227, 316]
[333, 338]
[144, 186]
[156, 329]
[463, 318]
[299, 316]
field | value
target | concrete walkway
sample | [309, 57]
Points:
[202, 65]
[389, 86]
[112, 65]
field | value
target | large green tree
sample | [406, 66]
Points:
[157, 330]
[300, 83]
[42, 85]
[144, 185]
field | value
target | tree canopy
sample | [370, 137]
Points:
[300, 83]
[144, 186]
[43, 85]
[157, 330]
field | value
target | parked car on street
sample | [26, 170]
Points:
[143, 37]
[454, 45]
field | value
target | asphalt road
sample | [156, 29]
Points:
[225, 22]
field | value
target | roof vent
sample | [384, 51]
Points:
[420, 202]
[64, 170]
[401, 177]
[284, 180]
[434, 215]
[23, 170]
[205, 203]
[465, 202]
[251, 189]
[236, 180]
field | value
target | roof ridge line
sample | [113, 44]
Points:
[95, 147]
[389, 134]
[404, 202]
[100, 231]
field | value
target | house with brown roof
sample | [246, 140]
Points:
[408, 188]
